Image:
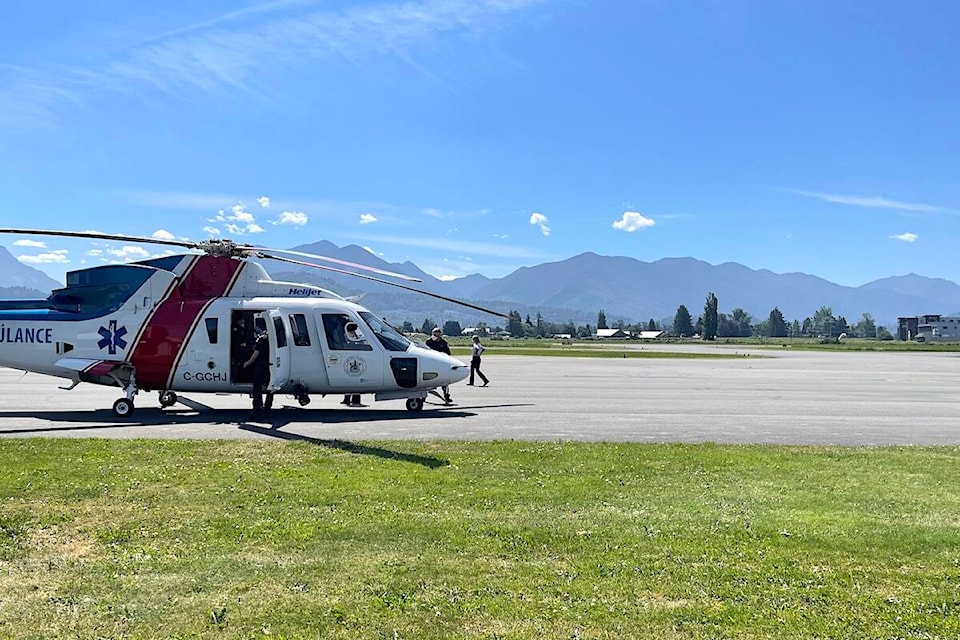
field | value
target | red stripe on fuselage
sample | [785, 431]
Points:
[167, 331]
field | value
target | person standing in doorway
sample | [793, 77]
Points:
[259, 360]
[437, 343]
[475, 351]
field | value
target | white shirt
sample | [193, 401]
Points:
[477, 349]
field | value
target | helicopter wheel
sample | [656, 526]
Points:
[414, 404]
[123, 408]
[168, 398]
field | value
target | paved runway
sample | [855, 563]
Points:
[775, 397]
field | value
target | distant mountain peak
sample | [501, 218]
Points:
[14, 273]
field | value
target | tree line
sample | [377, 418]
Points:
[739, 324]
[710, 325]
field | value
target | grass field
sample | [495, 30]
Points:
[214, 539]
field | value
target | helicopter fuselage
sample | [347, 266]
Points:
[188, 323]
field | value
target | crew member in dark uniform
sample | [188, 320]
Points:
[437, 343]
[260, 362]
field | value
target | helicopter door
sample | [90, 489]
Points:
[353, 362]
[279, 351]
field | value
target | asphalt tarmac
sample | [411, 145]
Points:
[764, 397]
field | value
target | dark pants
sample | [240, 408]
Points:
[260, 381]
[475, 368]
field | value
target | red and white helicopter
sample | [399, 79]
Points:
[186, 323]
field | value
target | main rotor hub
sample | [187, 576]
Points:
[224, 248]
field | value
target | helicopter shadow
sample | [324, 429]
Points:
[103, 419]
[349, 447]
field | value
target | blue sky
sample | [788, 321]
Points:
[479, 136]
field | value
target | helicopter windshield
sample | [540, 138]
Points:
[390, 338]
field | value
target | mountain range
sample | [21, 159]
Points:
[579, 287]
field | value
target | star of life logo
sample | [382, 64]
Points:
[112, 337]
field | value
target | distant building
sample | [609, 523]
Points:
[929, 328]
[652, 335]
[603, 334]
[478, 331]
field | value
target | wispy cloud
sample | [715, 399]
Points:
[541, 221]
[238, 51]
[458, 246]
[264, 202]
[906, 237]
[367, 218]
[631, 221]
[874, 202]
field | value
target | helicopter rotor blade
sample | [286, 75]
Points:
[216, 247]
[394, 284]
[345, 263]
[96, 235]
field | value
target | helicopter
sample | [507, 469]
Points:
[187, 322]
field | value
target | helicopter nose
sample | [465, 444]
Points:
[440, 369]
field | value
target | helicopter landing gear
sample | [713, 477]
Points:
[414, 404]
[123, 408]
[168, 399]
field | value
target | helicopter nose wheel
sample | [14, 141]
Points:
[123, 408]
[414, 404]
[168, 398]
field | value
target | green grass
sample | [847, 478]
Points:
[214, 539]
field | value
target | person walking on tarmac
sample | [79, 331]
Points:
[475, 351]
[437, 343]
[260, 361]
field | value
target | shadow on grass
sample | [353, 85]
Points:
[350, 447]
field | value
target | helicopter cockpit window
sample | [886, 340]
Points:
[390, 338]
[343, 333]
[298, 325]
[212, 329]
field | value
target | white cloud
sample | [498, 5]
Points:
[295, 218]
[211, 231]
[367, 218]
[34, 244]
[632, 221]
[540, 220]
[239, 221]
[58, 256]
[129, 252]
[874, 202]
[162, 234]
[264, 202]
[906, 237]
